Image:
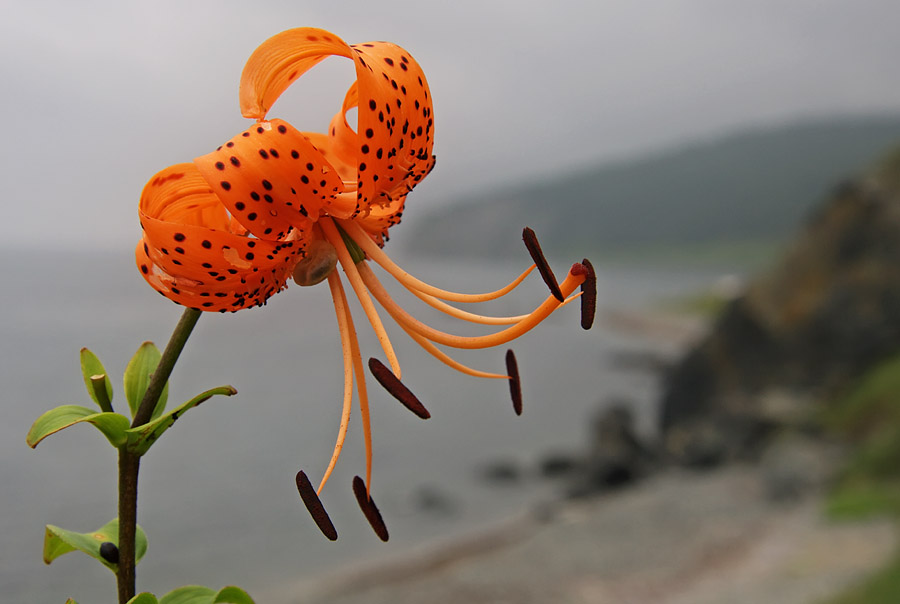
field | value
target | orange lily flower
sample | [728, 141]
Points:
[228, 230]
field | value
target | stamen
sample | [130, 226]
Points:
[589, 296]
[462, 314]
[315, 507]
[383, 260]
[534, 248]
[396, 388]
[447, 360]
[360, 374]
[573, 279]
[348, 333]
[334, 236]
[515, 385]
[369, 509]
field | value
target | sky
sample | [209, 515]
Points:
[99, 96]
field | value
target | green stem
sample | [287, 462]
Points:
[169, 356]
[129, 463]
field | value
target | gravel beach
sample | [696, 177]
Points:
[677, 538]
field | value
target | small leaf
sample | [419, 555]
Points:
[197, 594]
[189, 594]
[137, 377]
[144, 598]
[141, 438]
[112, 425]
[233, 595]
[92, 368]
[58, 541]
[71, 601]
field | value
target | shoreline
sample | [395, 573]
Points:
[679, 537]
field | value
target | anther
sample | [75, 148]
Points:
[369, 509]
[109, 552]
[534, 248]
[315, 507]
[396, 388]
[588, 296]
[515, 386]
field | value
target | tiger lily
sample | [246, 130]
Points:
[226, 231]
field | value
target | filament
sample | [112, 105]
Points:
[353, 275]
[376, 254]
[348, 334]
[567, 287]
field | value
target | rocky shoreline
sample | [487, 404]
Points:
[679, 537]
[631, 527]
[724, 502]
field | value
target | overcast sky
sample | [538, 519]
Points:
[98, 96]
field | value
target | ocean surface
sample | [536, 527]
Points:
[217, 496]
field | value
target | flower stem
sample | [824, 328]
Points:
[129, 463]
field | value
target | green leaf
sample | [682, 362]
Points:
[71, 601]
[144, 598]
[141, 438]
[112, 425]
[197, 594]
[58, 541]
[92, 369]
[137, 377]
[233, 595]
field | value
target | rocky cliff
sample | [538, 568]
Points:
[801, 331]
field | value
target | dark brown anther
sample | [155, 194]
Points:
[315, 507]
[534, 248]
[515, 386]
[109, 552]
[400, 392]
[369, 509]
[588, 296]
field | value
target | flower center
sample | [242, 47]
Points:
[320, 260]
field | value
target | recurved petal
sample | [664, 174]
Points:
[279, 61]
[378, 220]
[189, 254]
[271, 178]
[395, 121]
[391, 148]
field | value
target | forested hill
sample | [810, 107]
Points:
[751, 186]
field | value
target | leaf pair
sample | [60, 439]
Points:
[135, 380]
[196, 594]
[114, 426]
[193, 594]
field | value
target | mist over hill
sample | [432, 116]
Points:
[752, 186]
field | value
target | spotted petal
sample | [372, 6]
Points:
[271, 179]
[392, 146]
[279, 61]
[193, 253]
[395, 122]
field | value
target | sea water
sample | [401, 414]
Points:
[217, 496]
